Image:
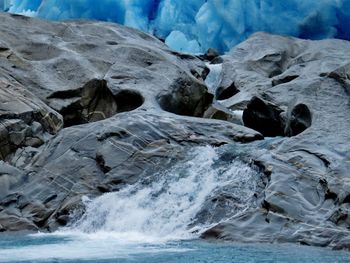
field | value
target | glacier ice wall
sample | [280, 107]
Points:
[196, 25]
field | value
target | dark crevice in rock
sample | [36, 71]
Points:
[116, 181]
[71, 206]
[330, 195]
[271, 207]
[299, 120]
[218, 144]
[213, 233]
[196, 74]
[284, 80]
[264, 117]
[102, 164]
[62, 220]
[263, 168]
[186, 97]
[95, 102]
[104, 188]
[223, 93]
[205, 73]
[338, 216]
[128, 100]
[122, 77]
[41, 222]
[211, 54]
[268, 119]
[64, 94]
[112, 43]
[346, 199]
[10, 199]
[200, 74]
[183, 55]
[3, 49]
[275, 73]
[118, 135]
[50, 198]
[20, 16]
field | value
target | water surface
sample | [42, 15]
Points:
[92, 248]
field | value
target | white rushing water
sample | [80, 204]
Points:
[143, 218]
[162, 209]
[213, 81]
[214, 77]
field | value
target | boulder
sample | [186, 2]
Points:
[300, 89]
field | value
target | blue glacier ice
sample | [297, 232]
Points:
[196, 25]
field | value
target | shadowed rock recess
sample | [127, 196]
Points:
[90, 107]
[94, 102]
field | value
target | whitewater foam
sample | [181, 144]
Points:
[162, 208]
[58, 249]
[148, 218]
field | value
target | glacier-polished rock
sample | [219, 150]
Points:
[90, 107]
[306, 196]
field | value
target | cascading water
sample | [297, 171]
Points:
[213, 82]
[214, 77]
[144, 222]
[152, 217]
[164, 209]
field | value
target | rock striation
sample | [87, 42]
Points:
[296, 93]
[89, 107]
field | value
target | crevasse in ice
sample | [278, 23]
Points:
[196, 25]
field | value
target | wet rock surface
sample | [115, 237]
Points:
[290, 86]
[89, 107]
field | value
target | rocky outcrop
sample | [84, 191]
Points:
[289, 88]
[24, 119]
[89, 107]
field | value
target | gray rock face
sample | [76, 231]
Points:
[89, 107]
[23, 119]
[306, 196]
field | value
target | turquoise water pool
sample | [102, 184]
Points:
[70, 248]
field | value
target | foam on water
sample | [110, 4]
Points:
[137, 224]
[56, 250]
[81, 248]
[144, 218]
[163, 208]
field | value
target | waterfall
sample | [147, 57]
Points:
[214, 77]
[164, 208]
